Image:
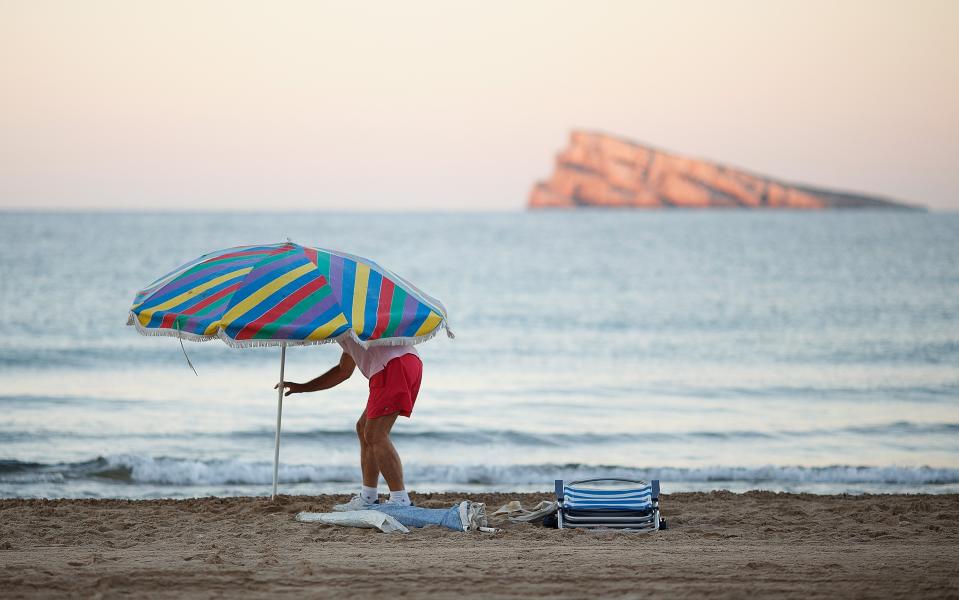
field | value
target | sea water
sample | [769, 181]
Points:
[712, 350]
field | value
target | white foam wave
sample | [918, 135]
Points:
[186, 472]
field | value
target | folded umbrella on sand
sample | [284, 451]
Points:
[286, 295]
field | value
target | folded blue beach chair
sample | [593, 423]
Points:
[612, 503]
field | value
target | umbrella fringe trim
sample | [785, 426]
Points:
[183, 335]
[221, 335]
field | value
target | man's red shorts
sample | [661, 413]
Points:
[394, 389]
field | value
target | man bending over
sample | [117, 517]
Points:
[395, 373]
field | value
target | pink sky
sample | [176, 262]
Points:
[461, 105]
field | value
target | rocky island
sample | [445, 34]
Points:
[599, 170]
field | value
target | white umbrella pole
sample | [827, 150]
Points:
[279, 415]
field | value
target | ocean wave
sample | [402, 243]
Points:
[135, 469]
[507, 437]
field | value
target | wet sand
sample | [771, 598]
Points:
[720, 545]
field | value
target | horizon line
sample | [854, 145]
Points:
[418, 210]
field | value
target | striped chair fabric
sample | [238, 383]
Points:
[609, 503]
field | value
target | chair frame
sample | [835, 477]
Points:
[627, 520]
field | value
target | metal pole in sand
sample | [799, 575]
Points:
[279, 415]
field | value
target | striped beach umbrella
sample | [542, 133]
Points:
[286, 295]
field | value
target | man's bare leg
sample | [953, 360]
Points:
[377, 437]
[368, 465]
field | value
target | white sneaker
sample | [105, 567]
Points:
[400, 504]
[357, 502]
[473, 515]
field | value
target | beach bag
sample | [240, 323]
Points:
[609, 503]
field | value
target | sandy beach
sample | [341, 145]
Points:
[719, 545]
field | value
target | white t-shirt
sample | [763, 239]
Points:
[372, 360]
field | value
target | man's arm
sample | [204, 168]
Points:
[334, 376]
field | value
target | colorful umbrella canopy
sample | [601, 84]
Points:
[286, 294]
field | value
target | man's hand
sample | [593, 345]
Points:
[334, 376]
[291, 388]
